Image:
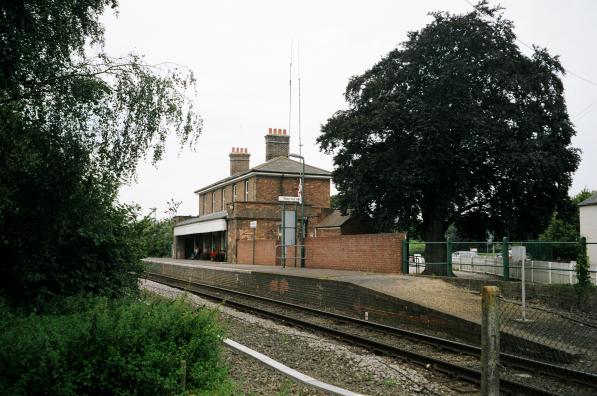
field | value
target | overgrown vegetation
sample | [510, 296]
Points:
[156, 235]
[583, 276]
[73, 125]
[564, 226]
[95, 345]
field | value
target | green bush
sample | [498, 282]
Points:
[100, 346]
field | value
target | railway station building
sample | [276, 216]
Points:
[250, 196]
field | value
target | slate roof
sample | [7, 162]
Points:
[334, 219]
[212, 216]
[275, 165]
[592, 200]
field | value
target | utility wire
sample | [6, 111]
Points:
[585, 111]
[533, 49]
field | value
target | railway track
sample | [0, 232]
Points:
[448, 368]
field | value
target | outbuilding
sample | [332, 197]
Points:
[588, 225]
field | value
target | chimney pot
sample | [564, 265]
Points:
[276, 143]
[239, 160]
[270, 131]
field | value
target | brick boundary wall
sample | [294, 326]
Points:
[264, 252]
[363, 252]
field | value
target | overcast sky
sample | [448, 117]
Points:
[240, 54]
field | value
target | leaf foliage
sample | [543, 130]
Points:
[455, 126]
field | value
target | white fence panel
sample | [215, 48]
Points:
[548, 272]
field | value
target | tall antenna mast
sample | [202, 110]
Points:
[298, 50]
[290, 90]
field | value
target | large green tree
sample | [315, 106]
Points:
[74, 122]
[456, 125]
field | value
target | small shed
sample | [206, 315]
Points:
[588, 225]
[336, 224]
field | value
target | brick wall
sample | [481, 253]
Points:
[367, 252]
[317, 191]
[205, 199]
[264, 252]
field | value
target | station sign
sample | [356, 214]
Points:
[286, 198]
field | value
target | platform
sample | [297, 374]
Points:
[409, 301]
[425, 291]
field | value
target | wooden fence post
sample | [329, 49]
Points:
[490, 342]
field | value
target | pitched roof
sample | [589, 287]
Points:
[275, 165]
[592, 200]
[286, 165]
[334, 219]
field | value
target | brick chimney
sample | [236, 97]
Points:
[276, 143]
[239, 160]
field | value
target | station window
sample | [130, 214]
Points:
[213, 201]
[234, 193]
[223, 201]
[246, 190]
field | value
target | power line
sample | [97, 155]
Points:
[588, 109]
[533, 49]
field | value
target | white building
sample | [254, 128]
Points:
[588, 225]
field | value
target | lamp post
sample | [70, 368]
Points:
[302, 190]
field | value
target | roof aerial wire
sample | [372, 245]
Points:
[290, 90]
[299, 96]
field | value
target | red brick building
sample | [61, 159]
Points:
[228, 206]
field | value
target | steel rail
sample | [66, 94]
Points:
[456, 371]
[510, 360]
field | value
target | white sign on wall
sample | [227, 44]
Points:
[253, 224]
[286, 198]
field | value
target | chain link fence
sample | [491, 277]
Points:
[539, 329]
[564, 340]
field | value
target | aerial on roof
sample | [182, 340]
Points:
[592, 200]
[275, 165]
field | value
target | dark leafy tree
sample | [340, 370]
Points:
[455, 124]
[74, 123]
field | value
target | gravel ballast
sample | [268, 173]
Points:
[325, 359]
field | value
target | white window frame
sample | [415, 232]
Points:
[246, 190]
[223, 200]
[234, 192]
[213, 201]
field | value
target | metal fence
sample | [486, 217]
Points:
[543, 262]
[564, 340]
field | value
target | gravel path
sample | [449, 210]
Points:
[349, 367]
